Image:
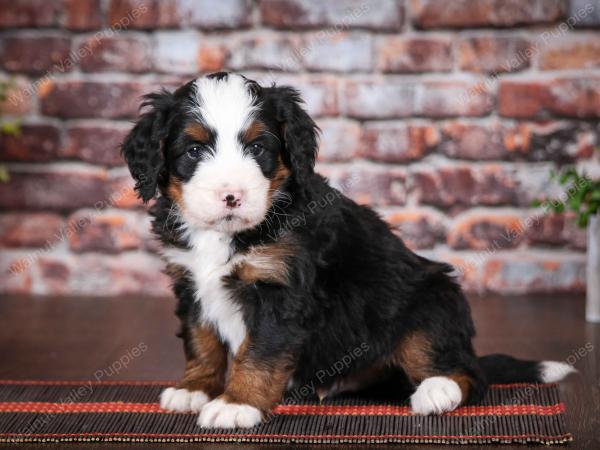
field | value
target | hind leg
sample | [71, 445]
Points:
[445, 377]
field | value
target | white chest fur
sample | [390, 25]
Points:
[209, 260]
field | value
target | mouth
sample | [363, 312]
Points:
[229, 219]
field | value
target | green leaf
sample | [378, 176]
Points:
[592, 208]
[567, 175]
[583, 219]
[4, 175]
[559, 207]
[583, 195]
[11, 128]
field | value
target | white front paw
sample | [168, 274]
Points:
[182, 400]
[436, 395]
[220, 414]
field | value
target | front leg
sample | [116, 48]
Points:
[255, 385]
[204, 376]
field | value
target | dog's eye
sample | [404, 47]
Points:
[255, 149]
[195, 151]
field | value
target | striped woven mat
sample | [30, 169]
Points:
[38, 411]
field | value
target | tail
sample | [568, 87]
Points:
[503, 369]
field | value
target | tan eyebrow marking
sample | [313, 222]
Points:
[197, 132]
[253, 131]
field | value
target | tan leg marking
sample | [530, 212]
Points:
[257, 383]
[206, 372]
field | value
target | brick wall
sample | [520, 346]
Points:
[445, 116]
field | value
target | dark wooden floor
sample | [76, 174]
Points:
[74, 338]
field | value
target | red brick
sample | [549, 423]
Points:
[556, 230]
[340, 140]
[494, 54]
[34, 55]
[584, 13]
[180, 13]
[338, 15]
[338, 52]
[52, 188]
[408, 55]
[115, 275]
[127, 54]
[15, 272]
[19, 96]
[97, 144]
[398, 142]
[272, 51]
[32, 143]
[547, 141]
[368, 185]
[533, 181]
[473, 141]
[29, 229]
[204, 14]
[573, 51]
[418, 228]
[466, 268]
[576, 97]
[54, 274]
[484, 13]
[29, 13]
[177, 52]
[212, 56]
[567, 97]
[319, 92]
[83, 14]
[126, 274]
[144, 14]
[132, 273]
[73, 99]
[120, 192]
[456, 185]
[394, 98]
[533, 273]
[448, 99]
[562, 142]
[490, 231]
[522, 99]
[109, 231]
[366, 100]
[320, 96]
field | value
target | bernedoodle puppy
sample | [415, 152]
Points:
[280, 277]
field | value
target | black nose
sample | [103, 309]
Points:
[231, 197]
[231, 200]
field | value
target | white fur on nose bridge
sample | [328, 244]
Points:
[226, 105]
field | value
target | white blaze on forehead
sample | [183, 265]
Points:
[225, 105]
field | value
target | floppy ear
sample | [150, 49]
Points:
[142, 147]
[299, 132]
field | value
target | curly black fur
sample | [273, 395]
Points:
[353, 284]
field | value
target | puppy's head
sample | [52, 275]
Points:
[222, 148]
